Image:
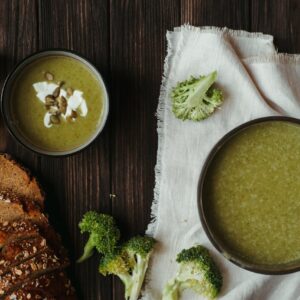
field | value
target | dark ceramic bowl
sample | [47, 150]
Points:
[207, 222]
[6, 93]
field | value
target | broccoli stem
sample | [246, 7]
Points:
[88, 250]
[138, 276]
[197, 97]
[133, 283]
[127, 281]
[171, 290]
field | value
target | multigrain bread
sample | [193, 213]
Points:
[16, 178]
[14, 207]
[18, 251]
[32, 258]
[17, 230]
[54, 286]
[30, 294]
[42, 263]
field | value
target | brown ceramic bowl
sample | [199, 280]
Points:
[207, 222]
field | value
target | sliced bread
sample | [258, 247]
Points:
[30, 294]
[54, 285]
[27, 271]
[14, 177]
[17, 230]
[32, 258]
[18, 251]
[13, 207]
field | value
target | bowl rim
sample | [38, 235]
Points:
[53, 52]
[257, 268]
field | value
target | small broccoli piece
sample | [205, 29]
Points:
[130, 264]
[195, 99]
[197, 271]
[104, 235]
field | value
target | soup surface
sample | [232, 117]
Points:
[252, 193]
[28, 111]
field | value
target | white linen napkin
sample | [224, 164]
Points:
[257, 82]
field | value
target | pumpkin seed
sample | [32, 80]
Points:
[53, 110]
[73, 114]
[49, 100]
[49, 76]
[56, 92]
[54, 119]
[62, 104]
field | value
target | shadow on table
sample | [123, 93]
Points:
[5, 67]
[56, 218]
[5, 62]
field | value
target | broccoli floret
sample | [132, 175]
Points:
[104, 235]
[130, 264]
[195, 99]
[197, 271]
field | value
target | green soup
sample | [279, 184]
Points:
[252, 193]
[28, 111]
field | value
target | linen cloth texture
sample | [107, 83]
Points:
[257, 82]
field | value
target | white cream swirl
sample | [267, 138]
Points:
[75, 102]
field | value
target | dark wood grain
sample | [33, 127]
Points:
[279, 18]
[125, 39]
[137, 49]
[234, 14]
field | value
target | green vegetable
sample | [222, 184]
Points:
[197, 271]
[195, 99]
[104, 235]
[130, 264]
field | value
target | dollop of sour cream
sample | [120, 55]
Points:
[75, 102]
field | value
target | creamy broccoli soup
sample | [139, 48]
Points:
[57, 103]
[252, 193]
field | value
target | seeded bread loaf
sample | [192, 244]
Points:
[54, 286]
[43, 263]
[18, 251]
[32, 258]
[11, 211]
[17, 230]
[14, 177]
[30, 294]
[13, 207]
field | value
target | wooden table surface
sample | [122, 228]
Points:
[125, 39]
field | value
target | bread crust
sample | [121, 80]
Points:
[32, 258]
[43, 263]
[13, 207]
[16, 230]
[18, 251]
[55, 285]
[15, 177]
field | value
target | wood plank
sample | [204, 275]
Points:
[234, 14]
[18, 38]
[279, 18]
[80, 182]
[137, 51]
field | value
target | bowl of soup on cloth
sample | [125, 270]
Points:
[249, 195]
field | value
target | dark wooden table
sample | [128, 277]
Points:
[126, 41]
